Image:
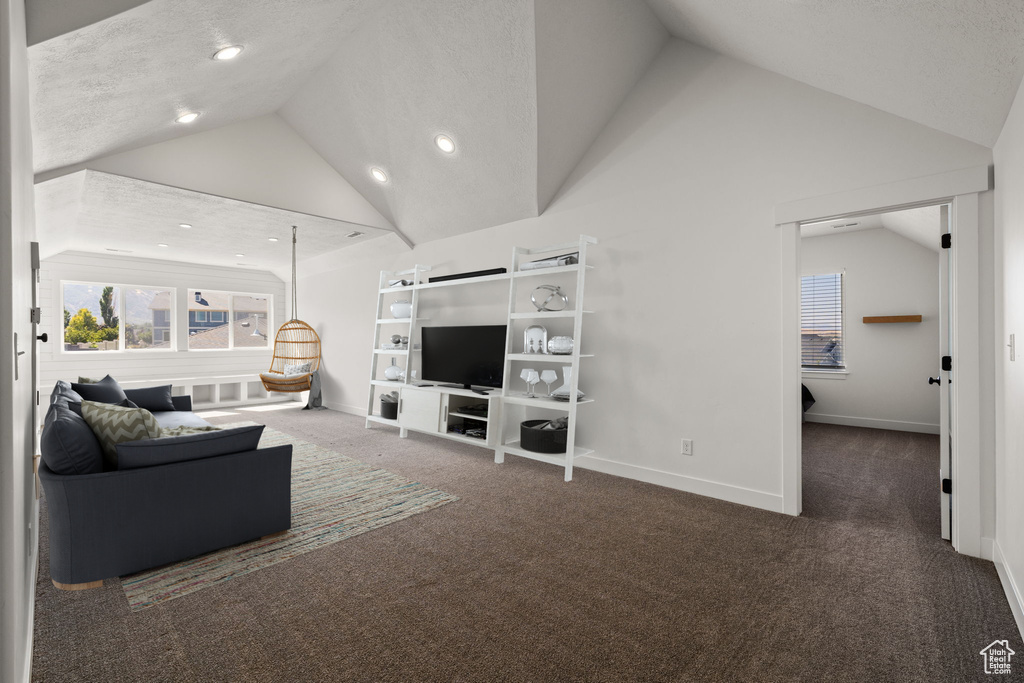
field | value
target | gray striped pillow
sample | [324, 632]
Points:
[116, 424]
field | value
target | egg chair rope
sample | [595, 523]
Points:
[296, 353]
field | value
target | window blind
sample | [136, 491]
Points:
[821, 321]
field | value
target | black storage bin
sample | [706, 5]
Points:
[532, 438]
[389, 409]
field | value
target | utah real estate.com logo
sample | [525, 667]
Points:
[997, 657]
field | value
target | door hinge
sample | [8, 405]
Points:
[35, 315]
[947, 486]
[947, 363]
[947, 240]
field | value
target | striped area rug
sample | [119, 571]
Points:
[333, 498]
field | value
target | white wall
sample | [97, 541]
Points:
[888, 364]
[19, 512]
[158, 365]
[1009, 220]
[680, 188]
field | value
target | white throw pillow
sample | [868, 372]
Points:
[294, 370]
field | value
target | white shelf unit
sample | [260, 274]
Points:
[430, 409]
[508, 442]
[385, 296]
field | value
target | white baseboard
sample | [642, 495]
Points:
[702, 487]
[1010, 586]
[988, 549]
[344, 408]
[873, 423]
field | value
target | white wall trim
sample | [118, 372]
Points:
[1010, 586]
[926, 190]
[343, 408]
[872, 423]
[988, 548]
[961, 188]
[702, 487]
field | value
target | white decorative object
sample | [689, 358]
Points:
[393, 372]
[548, 376]
[562, 393]
[531, 377]
[561, 346]
[535, 339]
[549, 298]
[401, 309]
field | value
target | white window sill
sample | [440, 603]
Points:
[824, 374]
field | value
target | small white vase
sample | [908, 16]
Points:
[401, 309]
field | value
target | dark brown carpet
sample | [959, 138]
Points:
[527, 578]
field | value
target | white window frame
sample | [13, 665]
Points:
[190, 291]
[121, 348]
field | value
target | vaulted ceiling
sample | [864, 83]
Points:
[326, 90]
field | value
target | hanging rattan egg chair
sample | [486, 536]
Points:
[296, 345]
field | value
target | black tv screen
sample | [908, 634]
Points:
[470, 355]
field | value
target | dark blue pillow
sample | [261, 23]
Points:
[68, 444]
[153, 399]
[76, 408]
[107, 390]
[150, 452]
[63, 390]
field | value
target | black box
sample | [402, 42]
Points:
[389, 409]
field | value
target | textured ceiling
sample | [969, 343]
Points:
[921, 225]
[522, 86]
[952, 65]
[100, 212]
[120, 83]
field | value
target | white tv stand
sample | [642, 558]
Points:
[436, 409]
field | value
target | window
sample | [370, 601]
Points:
[821, 322]
[106, 317]
[228, 320]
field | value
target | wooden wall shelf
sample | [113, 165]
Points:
[892, 319]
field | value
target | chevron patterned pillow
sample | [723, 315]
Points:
[114, 424]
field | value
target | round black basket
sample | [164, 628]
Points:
[532, 438]
[389, 410]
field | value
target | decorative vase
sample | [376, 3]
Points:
[393, 372]
[562, 392]
[401, 308]
[560, 345]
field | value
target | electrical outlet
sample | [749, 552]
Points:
[687, 447]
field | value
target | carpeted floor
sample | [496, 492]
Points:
[527, 578]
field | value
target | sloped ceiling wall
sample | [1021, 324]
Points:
[418, 69]
[952, 65]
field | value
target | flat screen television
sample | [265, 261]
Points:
[468, 355]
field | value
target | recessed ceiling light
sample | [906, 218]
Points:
[239, 255]
[379, 175]
[445, 143]
[187, 118]
[184, 225]
[229, 52]
[161, 245]
[272, 239]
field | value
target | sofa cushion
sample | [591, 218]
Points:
[116, 424]
[152, 399]
[76, 408]
[190, 447]
[68, 444]
[62, 391]
[107, 390]
[169, 419]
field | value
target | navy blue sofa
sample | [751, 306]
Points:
[171, 498]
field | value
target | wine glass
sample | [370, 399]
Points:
[528, 375]
[532, 381]
[548, 376]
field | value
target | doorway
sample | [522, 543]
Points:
[960, 189]
[874, 298]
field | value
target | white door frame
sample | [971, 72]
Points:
[960, 189]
